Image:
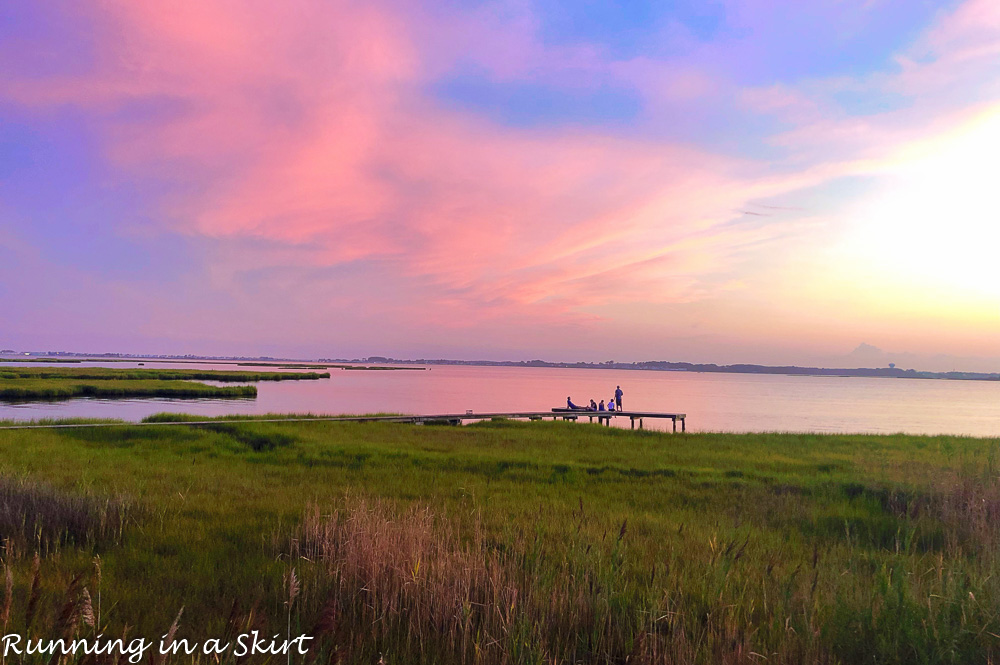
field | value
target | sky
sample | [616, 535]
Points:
[733, 181]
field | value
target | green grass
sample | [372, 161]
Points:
[107, 374]
[37, 516]
[533, 542]
[58, 389]
[54, 383]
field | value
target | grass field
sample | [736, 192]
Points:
[55, 383]
[57, 389]
[512, 542]
[113, 373]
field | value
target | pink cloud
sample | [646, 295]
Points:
[945, 78]
[971, 31]
[306, 128]
[298, 138]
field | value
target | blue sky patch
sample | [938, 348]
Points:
[627, 29]
[532, 104]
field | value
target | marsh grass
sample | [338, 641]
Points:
[55, 383]
[410, 585]
[254, 438]
[413, 585]
[544, 542]
[49, 607]
[111, 373]
[36, 516]
[59, 389]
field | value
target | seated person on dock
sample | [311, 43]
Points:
[593, 405]
[570, 405]
[601, 407]
[611, 405]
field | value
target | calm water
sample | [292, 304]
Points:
[713, 402]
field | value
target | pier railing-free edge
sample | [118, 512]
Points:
[603, 417]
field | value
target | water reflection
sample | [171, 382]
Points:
[713, 402]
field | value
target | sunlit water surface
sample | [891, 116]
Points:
[712, 402]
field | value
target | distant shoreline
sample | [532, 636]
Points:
[665, 366]
[651, 365]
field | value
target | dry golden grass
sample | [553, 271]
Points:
[411, 586]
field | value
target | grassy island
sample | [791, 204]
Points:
[112, 373]
[513, 542]
[54, 383]
[58, 389]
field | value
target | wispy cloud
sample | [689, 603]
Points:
[310, 151]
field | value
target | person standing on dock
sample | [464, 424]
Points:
[618, 397]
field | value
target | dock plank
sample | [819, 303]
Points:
[451, 418]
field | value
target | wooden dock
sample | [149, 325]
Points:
[603, 417]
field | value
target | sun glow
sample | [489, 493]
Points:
[937, 224]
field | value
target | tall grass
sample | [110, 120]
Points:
[53, 383]
[542, 542]
[57, 389]
[413, 586]
[35, 516]
[417, 586]
[111, 373]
